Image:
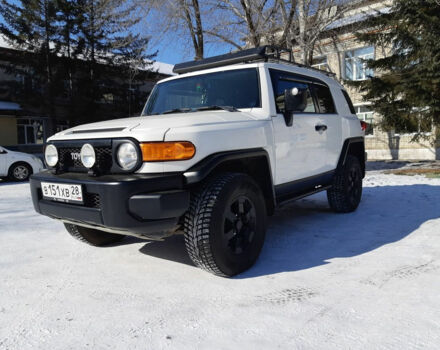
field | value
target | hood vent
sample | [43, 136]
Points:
[89, 131]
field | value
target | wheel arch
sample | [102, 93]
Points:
[356, 147]
[31, 170]
[252, 162]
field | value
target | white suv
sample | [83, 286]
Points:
[217, 148]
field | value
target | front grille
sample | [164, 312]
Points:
[67, 162]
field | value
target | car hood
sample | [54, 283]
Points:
[150, 128]
[17, 156]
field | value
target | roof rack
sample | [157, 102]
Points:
[264, 53]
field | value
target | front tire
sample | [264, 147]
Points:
[346, 192]
[20, 172]
[225, 226]
[92, 237]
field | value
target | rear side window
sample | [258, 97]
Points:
[324, 99]
[282, 81]
[350, 104]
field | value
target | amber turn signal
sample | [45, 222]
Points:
[165, 151]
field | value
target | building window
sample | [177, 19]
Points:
[365, 114]
[355, 65]
[321, 63]
[31, 131]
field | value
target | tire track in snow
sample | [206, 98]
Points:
[402, 272]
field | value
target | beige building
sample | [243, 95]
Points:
[341, 53]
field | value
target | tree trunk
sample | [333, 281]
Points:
[199, 30]
[253, 35]
[49, 87]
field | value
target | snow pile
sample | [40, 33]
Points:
[369, 279]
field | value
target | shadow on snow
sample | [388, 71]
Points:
[307, 233]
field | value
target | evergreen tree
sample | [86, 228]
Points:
[405, 88]
[106, 40]
[68, 20]
[80, 54]
[30, 27]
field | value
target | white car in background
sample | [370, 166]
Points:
[18, 166]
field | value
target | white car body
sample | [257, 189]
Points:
[295, 152]
[9, 158]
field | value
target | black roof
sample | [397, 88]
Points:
[263, 53]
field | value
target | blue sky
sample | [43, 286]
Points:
[178, 52]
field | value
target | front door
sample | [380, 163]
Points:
[301, 148]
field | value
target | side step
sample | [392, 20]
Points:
[297, 196]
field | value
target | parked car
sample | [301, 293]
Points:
[217, 149]
[18, 166]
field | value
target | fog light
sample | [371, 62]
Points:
[88, 156]
[51, 155]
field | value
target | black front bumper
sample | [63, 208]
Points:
[142, 205]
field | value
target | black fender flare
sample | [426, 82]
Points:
[206, 166]
[349, 144]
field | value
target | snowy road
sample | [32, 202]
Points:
[367, 280]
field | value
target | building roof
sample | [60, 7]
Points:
[9, 106]
[163, 68]
[358, 17]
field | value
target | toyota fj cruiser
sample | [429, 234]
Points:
[218, 147]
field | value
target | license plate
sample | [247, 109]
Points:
[62, 192]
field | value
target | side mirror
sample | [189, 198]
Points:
[290, 104]
[2, 151]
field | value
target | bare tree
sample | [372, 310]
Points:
[286, 23]
[313, 18]
[180, 19]
[244, 22]
[248, 23]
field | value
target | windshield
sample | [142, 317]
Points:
[233, 89]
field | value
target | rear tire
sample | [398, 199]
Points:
[20, 172]
[346, 192]
[93, 237]
[225, 226]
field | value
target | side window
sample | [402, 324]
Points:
[283, 81]
[350, 104]
[324, 99]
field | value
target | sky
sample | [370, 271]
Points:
[178, 52]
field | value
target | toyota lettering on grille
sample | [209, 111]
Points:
[75, 155]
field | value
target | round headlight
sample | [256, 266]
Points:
[51, 155]
[127, 156]
[88, 156]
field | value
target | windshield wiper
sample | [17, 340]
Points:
[177, 110]
[214, 107]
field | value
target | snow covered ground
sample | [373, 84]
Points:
[366, 280]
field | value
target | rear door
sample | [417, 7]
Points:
[301, 148]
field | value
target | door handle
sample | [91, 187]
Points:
[320, 127]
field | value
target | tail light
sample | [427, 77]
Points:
[364, 125]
